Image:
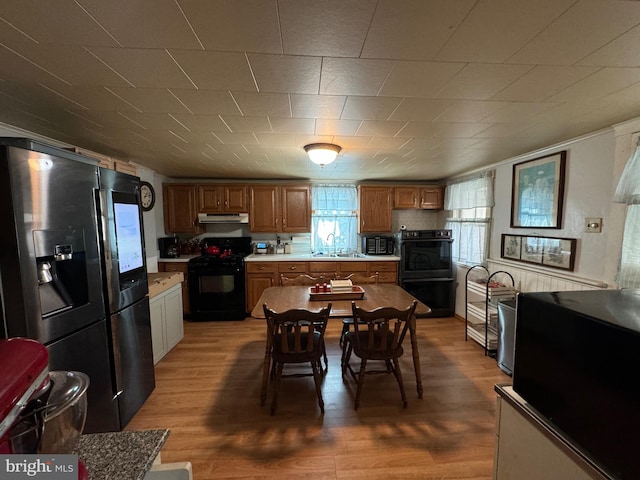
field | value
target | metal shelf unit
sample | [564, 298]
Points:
[481, 312]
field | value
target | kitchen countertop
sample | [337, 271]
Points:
[161, 281]
[120, 455]
[180, 259]
[307, 257]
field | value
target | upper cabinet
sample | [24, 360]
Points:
[280, 208]
[222, 199]
[180, 208]
[426, 197]
[375, 206]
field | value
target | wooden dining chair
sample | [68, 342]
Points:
[301, 280]
[377, 335]
[296, 336]
[356, 279]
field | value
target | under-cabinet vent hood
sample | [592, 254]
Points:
[223, 217]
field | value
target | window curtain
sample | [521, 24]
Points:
[628, 191]
[469, 202]
[333, 220]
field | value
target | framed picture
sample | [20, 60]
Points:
[511, 246]
[546, 251]
[537, 192]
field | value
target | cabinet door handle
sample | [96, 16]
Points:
[292, 268]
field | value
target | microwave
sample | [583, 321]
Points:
[378, 245]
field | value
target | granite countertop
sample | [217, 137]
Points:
[162, 281]
[120, 455]
[307, 257]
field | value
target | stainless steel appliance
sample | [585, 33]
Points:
[216, 279]
[125, 282]
[52, 269]
[169, 247]
[426, 268]
[506, 335]
[378, 245]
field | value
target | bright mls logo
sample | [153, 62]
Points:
[56, 467]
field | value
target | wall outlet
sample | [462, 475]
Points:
[593, 225]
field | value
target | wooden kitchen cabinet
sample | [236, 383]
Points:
[179, 267]
[222, 199]
[375, 208]
[259, 276]
[277, 209]
[180, 208]
[427, 197]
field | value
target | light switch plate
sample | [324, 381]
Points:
[593, 225]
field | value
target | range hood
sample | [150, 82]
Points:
[223, 218]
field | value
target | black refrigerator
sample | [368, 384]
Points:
[59, 214]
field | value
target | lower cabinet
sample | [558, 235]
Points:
[167, 328]
[184, 268]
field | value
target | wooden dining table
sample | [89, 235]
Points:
[375, 295]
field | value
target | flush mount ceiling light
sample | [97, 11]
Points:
[322, 153]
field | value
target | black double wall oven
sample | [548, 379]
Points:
[426, 269]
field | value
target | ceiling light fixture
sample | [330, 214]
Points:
[322, 153]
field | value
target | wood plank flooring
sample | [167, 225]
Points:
[207, 393]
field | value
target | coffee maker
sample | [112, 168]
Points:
[169, 247]
[41, 412]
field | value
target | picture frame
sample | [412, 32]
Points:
[550, 252]
[537, 192]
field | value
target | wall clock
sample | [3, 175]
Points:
[147, 196]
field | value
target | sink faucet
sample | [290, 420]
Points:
[334, 242]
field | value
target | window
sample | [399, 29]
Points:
[333, 220]
[628, 191]
[469, 203]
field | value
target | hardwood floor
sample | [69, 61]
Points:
[207, 394]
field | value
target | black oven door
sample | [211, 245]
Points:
[427, 258]
[217, 293]
[436, 293]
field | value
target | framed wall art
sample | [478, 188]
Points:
[537, 192]
[546, 251]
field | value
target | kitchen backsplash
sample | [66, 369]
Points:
[418, 220]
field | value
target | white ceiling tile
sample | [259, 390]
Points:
[380, 128]
[334, 28]
[66, 24]
[480, 81]
[263, 104]
[578, 32]
[369, 108]
[201, 123]
[419, 79]
[317, 106]
[143, 23]
[542, 82]
[420, 109]
[496, 29]
[215, 70]
[229, 25]
[599, 84]
[517, 112]
[353, 76]
[621, 52]
[276, 139]
[293, 126]
[152, 100]
[332, 126]
[208, 102]
[143, 67]
[413, 29]
[229, 138]
[286, 73]
[247, 124]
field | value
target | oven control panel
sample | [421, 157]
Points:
[417, 234]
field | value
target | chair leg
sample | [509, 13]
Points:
[398, 374]
[361, 374]
[276, 386]
[346, 356]
[317, 368]
[345, 329]
[326, 360]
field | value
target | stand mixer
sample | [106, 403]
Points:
[41, 412]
